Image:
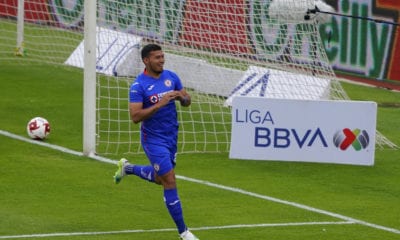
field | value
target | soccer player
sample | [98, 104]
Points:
[152, 101]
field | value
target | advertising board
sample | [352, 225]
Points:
[323, 131]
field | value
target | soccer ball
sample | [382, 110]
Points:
[38, 128]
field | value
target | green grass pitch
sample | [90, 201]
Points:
[49, 194]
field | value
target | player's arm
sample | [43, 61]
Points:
[184, 98]
[138, 113]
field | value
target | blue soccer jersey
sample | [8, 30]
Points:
[162, 126]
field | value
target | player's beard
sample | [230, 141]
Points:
[157, 68]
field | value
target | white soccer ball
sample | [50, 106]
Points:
[38, 128]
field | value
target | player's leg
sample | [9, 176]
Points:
[145, 172]
[172, 200]
[173, 203]
[160, 171]
[125, 168]
[164, 172]
[160, 158]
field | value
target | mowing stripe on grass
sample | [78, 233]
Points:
[232, 189]
[172, 229]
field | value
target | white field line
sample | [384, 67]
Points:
[172, 229]
[232, 189]
[293, 204]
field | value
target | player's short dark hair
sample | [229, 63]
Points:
[146, 50]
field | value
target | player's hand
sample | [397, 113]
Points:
[179, 96]
[183, 97]
[171, 96]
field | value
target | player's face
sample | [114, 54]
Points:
[155, 62]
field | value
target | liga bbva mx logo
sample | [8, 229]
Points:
[346, 138]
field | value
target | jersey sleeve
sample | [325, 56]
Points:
[178, 82]
[136, 93]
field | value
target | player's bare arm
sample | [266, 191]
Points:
[184, 98]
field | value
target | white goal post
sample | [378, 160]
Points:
[89, 79]
[219, 48]
[19, 50]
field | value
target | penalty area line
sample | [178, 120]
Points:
[219, 186]
[71, 234]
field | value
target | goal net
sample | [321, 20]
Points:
[220, 49]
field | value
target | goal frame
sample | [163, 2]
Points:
[89, 87]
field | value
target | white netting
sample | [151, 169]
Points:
[219, 48]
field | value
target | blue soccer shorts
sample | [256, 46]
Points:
[162, 157]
